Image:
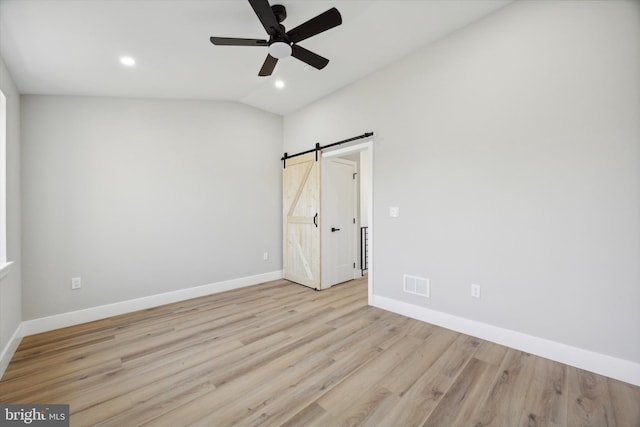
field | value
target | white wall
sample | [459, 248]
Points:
[11, 285]
[512, 148]
[140, 197]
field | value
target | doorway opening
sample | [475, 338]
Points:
[364, 153]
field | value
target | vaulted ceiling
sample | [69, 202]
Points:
[72, 47]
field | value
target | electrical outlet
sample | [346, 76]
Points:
[265, 256]
[475, 291]
[76, 283]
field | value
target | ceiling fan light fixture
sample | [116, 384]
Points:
[280, 50]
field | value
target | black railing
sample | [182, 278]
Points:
[364, 249]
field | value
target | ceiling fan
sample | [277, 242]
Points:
[283, 43]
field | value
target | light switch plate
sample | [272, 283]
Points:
[394, 212]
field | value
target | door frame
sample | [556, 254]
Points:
[366, 147]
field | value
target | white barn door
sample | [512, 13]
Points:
[301, 220]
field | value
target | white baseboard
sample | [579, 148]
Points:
[44, 324]
[619, 369]
[9, 350]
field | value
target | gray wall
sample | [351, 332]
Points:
[11, 285]
[140, 197]
[512, 148]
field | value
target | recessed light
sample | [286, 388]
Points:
[279, 84]
[127, 61]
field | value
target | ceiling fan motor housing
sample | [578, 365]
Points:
[279, 46]
[279, 11]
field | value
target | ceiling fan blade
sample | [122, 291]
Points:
[266, 16]
[268, 66]
[323, 22]
[309, 57]
[231, 41]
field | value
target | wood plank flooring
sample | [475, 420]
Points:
[281, 354]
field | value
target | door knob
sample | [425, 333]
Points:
[333, 229]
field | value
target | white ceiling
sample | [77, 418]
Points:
[72, 47]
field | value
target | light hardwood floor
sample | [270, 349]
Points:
[282, 354]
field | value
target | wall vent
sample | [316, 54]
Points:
[416, 285]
